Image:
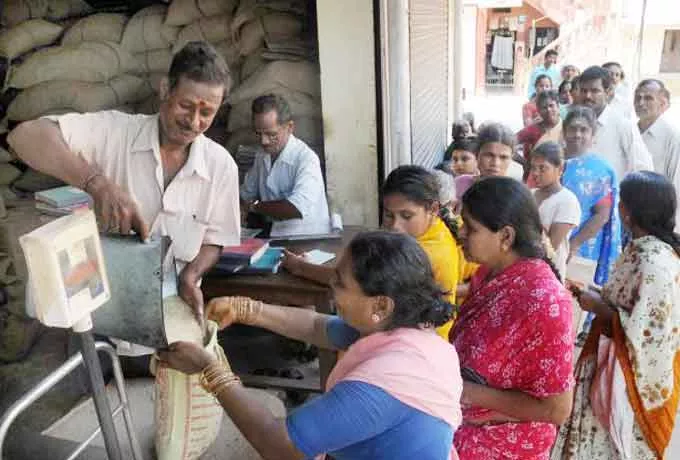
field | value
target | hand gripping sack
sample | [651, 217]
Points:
[188, 418]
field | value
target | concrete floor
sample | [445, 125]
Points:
[66, 413]
[229, 445]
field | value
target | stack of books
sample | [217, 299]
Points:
[235, 258]
[252, 256]
[61, 201]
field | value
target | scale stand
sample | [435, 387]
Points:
[65, 260]
[96, 381]
[89, 358]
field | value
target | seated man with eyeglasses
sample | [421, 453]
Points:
[285, 185]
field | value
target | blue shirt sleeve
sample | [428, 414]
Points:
[340, 334]
[348, 414]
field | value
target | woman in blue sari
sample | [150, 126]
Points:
[596, 243]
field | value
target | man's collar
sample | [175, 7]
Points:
[286, 155]
[604, 116]
[148, 140]
[655, 126]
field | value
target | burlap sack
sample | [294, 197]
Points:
[34, 181]
[183, 12]
[147, 31]
[229, 52]
[17, 332]
[8, 173]
[100, 27]
[301, 105]
[279, 76]
[211, 29]
[15, 12]
[251, 64]
[5, 156]
[250, 9]
[26, 36]
[274, 26]
[61, 9]
[154, 61]
[77, 96]
[155, 79]
[149, 106]
[87, 62]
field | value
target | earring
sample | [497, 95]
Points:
[375, 317]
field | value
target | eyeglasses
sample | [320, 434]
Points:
[271, 136]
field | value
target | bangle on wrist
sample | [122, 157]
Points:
[247, 310]
[216, 377]
[90, 179]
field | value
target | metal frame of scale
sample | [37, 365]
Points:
[113, 448]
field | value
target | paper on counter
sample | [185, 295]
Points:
[318, 257]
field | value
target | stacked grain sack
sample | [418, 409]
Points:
[206, 20]
[14, 12]
[278, 57]
[151, 40]
[89, 71]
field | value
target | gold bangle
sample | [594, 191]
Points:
[216, 377]
[229, 383]
[246, 309]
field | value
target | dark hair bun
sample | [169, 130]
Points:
[439, 313]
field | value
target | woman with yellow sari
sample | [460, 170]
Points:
[410, 198]
[628, 374]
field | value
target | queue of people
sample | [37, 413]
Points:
[457, 320]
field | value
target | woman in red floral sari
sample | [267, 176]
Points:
[514, 331]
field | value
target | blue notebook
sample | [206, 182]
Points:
[268, 263]
[62, 196]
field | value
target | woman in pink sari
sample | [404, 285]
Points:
[395, 392]
[513, 334]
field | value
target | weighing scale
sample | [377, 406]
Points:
[69, 285]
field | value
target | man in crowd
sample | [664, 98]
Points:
[617, 139]
[549, 68]
[659, 134]
[620, 98]
[153, 174]
[285, 185]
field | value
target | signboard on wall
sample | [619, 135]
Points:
[494, 3]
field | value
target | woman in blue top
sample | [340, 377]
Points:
[395, 392]
[596, 243]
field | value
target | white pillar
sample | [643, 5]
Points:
[456, 9]
[396, 83]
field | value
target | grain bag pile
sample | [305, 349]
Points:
[63, 56]
[278, 52]
[150, 40]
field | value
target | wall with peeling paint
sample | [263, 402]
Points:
[348, 95]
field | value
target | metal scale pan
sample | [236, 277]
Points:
[135, 272]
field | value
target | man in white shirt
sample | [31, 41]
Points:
[285, 185]
[154, 174]
[620, 98]
[616, 139]
[659, 134]
[549, 68]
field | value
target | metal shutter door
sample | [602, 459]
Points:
[429, 80]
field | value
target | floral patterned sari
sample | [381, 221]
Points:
[514, 330]
[644, 289]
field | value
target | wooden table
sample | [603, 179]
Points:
[285, 289]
